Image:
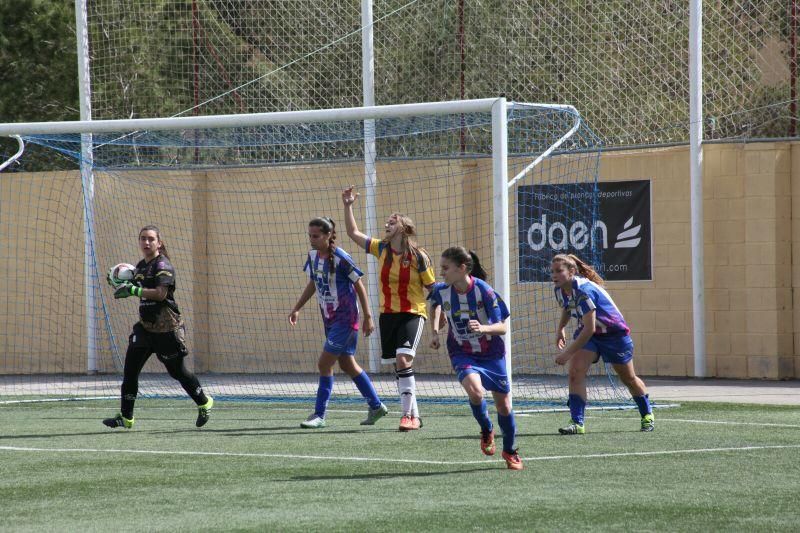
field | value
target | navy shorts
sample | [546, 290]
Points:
[617, 350]
[340, 339]
[493, 373]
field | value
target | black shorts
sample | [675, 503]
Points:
[166, 346]
[400, 334]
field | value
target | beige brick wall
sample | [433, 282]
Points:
[751, 193]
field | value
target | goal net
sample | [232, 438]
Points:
[232, 196]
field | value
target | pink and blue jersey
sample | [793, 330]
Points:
[587, 296]
[335, 292]
[480, 303]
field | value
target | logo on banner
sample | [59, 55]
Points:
[579, 235]
[630, 237]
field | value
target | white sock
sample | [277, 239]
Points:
[406, 386]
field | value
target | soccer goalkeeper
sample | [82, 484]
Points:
[160, 329]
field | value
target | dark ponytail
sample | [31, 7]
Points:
[328, 227]
[459, 255]
[477, 270]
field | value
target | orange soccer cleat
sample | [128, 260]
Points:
[513, 462]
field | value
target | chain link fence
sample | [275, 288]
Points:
[623, 63]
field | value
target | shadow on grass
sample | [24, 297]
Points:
[230, 432]
[52, 435]
[498, 436]
[547, 435]
[387, 475]
[270, 431]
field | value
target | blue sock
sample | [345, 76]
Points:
[323, 395]
[481, 414]
[509, 427]
[577, 407]
[643, 403]
[366, 389]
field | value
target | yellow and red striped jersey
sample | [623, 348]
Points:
[402, 278]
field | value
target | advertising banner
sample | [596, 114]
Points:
[609, 226]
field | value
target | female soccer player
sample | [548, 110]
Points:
[160, 329]
[476, 315]
[602, 332]
[405, 269]
[337, 281]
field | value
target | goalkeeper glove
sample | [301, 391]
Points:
[126, 289]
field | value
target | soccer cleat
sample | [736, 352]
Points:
[513, 462]
[373, 415]
[648, 422]
[313, 422]
[119, 421]
[572, 429]
[405, 423]
[487, 442]
[204, 412]
[410, 423]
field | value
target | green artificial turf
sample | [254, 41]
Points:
[706, 467]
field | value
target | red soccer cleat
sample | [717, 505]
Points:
[513, 462]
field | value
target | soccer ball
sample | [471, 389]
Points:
[121, 273]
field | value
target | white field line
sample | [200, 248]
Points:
[392, 460]
[236, 454]
[691, 421]
[54, 400]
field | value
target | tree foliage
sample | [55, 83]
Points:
[39, 78]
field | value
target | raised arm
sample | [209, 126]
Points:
[348, 197]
